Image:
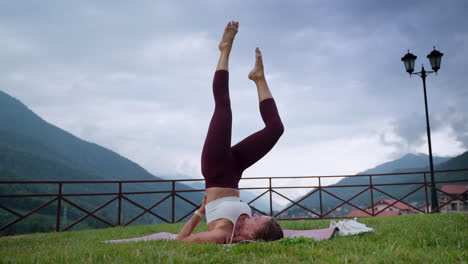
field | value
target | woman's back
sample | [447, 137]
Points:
[215, 193]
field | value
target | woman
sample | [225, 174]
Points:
[230, 220]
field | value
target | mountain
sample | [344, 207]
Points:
[25, 127]
[407, 163]
[33, 149]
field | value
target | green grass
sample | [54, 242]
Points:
[437, 238]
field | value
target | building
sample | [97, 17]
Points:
[398, 208]
[459, 205]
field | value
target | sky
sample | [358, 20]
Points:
[135, 77]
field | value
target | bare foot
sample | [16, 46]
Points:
[257, 72]
[228, 36]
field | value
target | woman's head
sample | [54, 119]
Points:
[271, 231]
[260, 227]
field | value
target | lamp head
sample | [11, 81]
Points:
[435, 57]
[409, 60]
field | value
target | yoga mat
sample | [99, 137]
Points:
[317, 234]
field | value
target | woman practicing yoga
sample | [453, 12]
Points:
[230, 220]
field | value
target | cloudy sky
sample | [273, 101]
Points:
[135, 77]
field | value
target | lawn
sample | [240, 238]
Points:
[437, 238]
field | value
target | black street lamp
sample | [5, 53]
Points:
[434, 57]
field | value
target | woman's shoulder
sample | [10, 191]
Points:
[220, 234]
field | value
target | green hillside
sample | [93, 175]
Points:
[33, 134]
[32, 149]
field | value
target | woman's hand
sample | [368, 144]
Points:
[202, 206]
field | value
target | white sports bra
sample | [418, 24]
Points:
[227, 207]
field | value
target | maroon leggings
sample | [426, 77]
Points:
[221, 164]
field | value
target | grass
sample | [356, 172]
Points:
[437, 238]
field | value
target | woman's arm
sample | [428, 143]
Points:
[187, 229]
[214, 236]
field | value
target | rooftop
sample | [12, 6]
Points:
[455, 188]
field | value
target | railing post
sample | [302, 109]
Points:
[425, 190]
[271, 199]
[320, 196]
[371, 194]
[173, 201]
[119, 216]
[59, 205]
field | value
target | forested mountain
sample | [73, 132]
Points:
[408, 163]
[28, 132]
[32, 149]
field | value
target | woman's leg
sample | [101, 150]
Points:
[218, 139]
[257, 145]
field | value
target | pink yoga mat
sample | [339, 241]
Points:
[317, 234]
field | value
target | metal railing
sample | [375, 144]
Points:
[120, 195]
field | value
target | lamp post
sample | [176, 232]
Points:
[434, 57]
